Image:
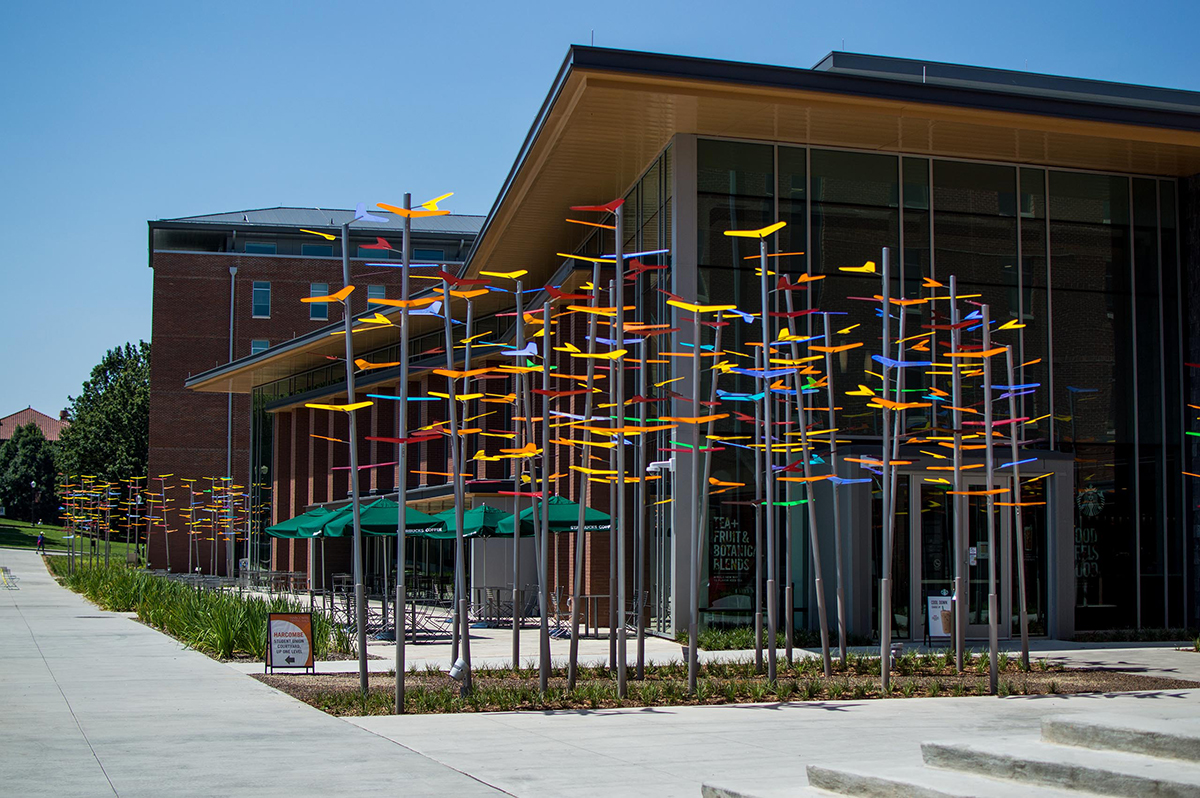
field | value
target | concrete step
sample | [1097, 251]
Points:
[915, 781]
[720, 791]
[1177, 738]
[1029, 761]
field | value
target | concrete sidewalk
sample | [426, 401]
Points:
[98, 704]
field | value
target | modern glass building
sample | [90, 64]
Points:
[1067, 206]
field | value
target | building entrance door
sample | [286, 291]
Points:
[933, 553]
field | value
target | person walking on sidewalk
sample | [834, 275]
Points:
[41, 543]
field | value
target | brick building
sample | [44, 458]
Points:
[50, 426]
[227, 286]
[1068, 206]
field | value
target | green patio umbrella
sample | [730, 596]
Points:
[315, 527]
[380, 517]
[481, 521]
[291, 528]
[564, 517]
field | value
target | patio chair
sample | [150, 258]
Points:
[635, 610]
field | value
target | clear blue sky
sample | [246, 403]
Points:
[116, 113]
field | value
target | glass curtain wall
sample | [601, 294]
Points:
[1086, 262]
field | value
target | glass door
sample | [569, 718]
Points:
[933, 560]
[979, 557]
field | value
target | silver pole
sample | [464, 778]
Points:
[544, 561]
[769, 476]
[573, 660]
[1019, 535]
[516, 559]
[705, 485]
[760, 363]
[885, 582]
[961, 530]
[694, 620]
[837, 507]
[360, 606]
[402, 466]
[643, 501]
[993, 603]
[618, 375]
[460, 581]
[813, 536]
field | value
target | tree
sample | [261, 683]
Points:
[109, 434]
[27, 475]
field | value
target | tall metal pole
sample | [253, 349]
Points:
[573, 659]
[402, 465]
[837, 507]
[618, 376]
[1019, 535]
[516, 558]
[360, 605]
[460, 565]
[961, 598]
[760, 363]
[813, 536]
[993, 603]
[696, 536]
[643, 501]
[544, 560]
[705, 485]
[885, 582]
[768, 475]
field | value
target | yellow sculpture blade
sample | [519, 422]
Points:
[584, 257]
[325, 236]
[432, 205]
[338, 297]
[507, 275]
[866, 268]
[762, 232]
[460, 374]
[614, 355]
[344, 408]
[700, 308]
[366, 364]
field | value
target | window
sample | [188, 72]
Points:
[261, 300]
[373, 254]
[319, 250]
[318, 311]
[260, 247]
[258, 345]
[376, 292]
[429, 255]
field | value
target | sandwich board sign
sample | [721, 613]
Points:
[289, 640]
[941, 616]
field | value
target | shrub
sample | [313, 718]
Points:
[222, 624]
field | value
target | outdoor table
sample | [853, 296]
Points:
[592, 602]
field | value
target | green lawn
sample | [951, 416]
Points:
[23, 535]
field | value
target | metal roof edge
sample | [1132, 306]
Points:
[766, 75]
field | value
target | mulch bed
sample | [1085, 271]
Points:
[433, 692]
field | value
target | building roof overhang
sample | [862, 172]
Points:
[610, 112]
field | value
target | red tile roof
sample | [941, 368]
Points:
[50, 426]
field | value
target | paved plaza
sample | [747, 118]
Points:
[95, 703]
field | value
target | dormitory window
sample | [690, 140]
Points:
[376, 292]
[373, 254]
[258, 345]
[318, 311]
[317, 250]
[429, 255]
[260, 248]
[261, 300]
